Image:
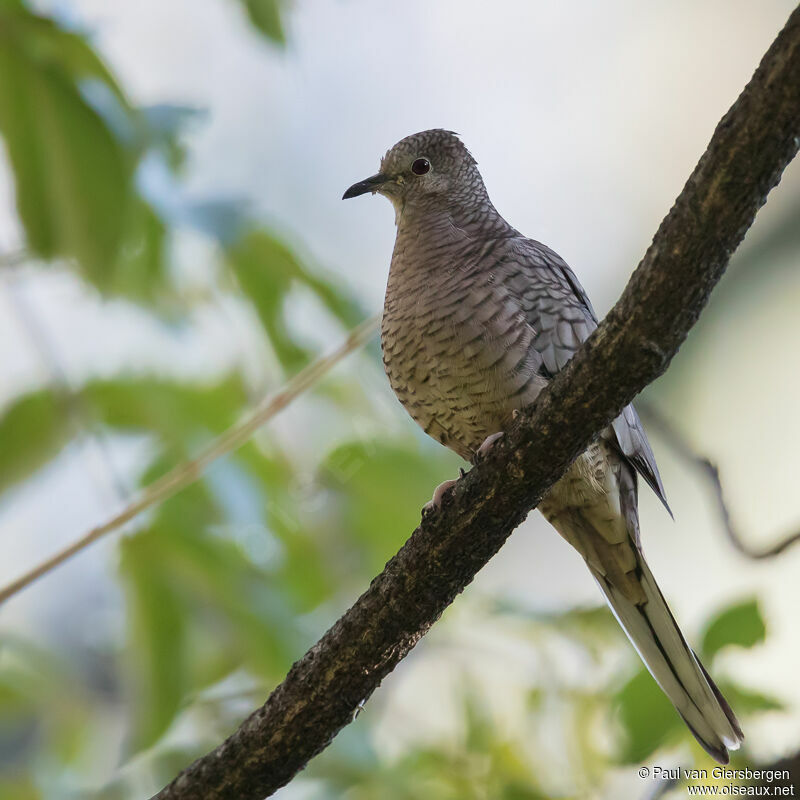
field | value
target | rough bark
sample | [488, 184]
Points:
[634, 345]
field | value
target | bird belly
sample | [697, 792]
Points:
[456, 379]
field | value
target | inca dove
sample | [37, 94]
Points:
[477, 319]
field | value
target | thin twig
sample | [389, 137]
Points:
[681, 446]
[188, 472]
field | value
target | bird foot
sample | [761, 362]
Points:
[438, 493]
[488, 444]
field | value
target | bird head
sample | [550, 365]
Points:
[428, 168]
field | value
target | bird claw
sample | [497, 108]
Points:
[488, 444]
[441, 490]
[438, 493]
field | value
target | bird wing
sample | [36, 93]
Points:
[560, 312]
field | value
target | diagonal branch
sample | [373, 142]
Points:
[635, 343]
[186, 473]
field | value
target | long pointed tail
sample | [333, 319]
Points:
[654, 633]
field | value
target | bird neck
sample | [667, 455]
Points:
[431, 241]
[435, 216]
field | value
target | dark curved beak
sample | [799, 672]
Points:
[368, 185]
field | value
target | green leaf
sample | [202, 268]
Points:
[158, 631]
[747, 701]
[214, 574]
[383, 485]
[267, 271]
[266, 16]
[140, 270]
[36, 427]
[647, 716]
[178, 412]
[520, 791]
[21, 787]
[33, 430]
[53, 47]
[220, 612]
[45, 704]
[303, 573]
[741, 625]
[73, 177]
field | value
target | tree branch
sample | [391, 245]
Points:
[635, 343]
[655, 420]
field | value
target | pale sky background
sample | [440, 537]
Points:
[586, 119]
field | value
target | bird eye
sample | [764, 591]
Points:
[421, 166]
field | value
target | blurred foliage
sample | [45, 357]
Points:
[740, 625]
[226, 583]
[482, 764]
[266, 17]
[269, 289]
[370, 477]
[73, 142]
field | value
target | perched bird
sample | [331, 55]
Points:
[477, 319]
